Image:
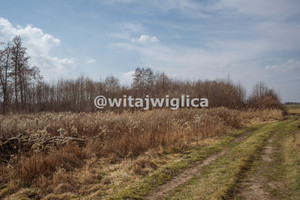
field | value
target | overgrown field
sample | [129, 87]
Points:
[89, 155]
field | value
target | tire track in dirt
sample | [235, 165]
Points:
[257, 185]
[163, 190]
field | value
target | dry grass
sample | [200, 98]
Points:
[45, 164]
[98, 123]
[113, 138]
[142, 166]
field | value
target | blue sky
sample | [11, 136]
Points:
[250, 40]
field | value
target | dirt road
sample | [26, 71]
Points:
[253, 166]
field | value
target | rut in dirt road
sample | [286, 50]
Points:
[163, 190]
[258, 185]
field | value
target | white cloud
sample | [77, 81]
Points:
[126, 29]
[39, 45]
[133, 27]
[241, 50]
[289, 65]
[189, 61]
[120, 1]
[272, 10]
[145, 39]
[185, 7]
[90, 61]
[126, 78]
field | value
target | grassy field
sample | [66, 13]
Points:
[187, 158]
[293, 109]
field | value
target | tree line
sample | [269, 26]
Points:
[17, 77]
[23, 90]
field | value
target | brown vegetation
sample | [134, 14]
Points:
[111, 138]
[262, 97]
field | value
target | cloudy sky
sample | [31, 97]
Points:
[249, 40]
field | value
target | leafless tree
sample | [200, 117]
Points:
[5, 57]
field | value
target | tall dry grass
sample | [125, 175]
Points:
[68, 158]
[114, 136]
[93, 124]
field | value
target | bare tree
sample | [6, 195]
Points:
[5, 59]
[143, 81]
[112, 85]
[20, 69]
[263, 97]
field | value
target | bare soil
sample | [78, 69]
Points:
[258, 185]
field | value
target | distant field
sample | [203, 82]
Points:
[293, 108]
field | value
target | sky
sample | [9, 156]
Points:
[249, 40]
